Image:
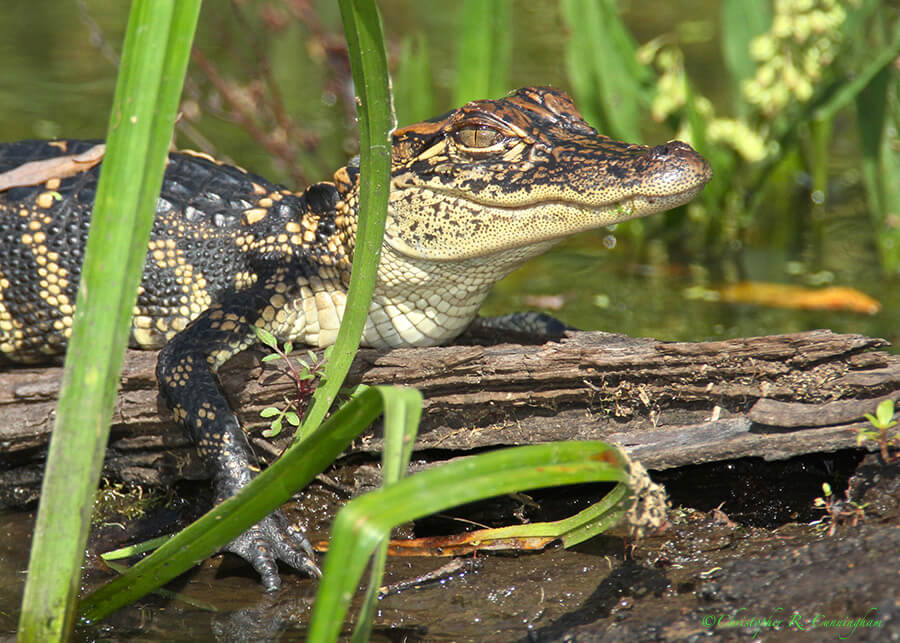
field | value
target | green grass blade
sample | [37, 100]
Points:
[485, 47]
[269, 490]
[741, 22]
[609, 84]
[365, 522]
[413, 91]
[587, 523]
[134, 550]
[402, 411]
[154, 60]
[819, 142]
[880, 166]
[368, 61]
[166, 594]
[320, 447]
[595, 519]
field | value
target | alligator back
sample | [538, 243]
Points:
[205, 242]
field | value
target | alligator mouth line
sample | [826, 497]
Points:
[624, 203]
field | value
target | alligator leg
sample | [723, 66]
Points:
[186, 371]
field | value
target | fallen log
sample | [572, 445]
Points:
[669, 403]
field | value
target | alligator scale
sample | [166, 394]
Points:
[474, 194]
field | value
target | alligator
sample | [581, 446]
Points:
[474, 194]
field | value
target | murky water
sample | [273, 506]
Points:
[57, 83]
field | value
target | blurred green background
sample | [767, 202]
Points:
[794, 102]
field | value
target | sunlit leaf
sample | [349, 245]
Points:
[266, 337]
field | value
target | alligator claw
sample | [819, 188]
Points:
[270, 540]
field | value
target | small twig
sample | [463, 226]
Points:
[455, 566]
[96, 33]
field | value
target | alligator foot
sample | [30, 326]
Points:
[270, 540]
[528, 322]
[523, 327]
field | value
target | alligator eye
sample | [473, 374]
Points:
[478, 137]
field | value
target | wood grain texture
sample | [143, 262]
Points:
[670, 404]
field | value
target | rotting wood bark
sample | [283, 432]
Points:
[670, 404]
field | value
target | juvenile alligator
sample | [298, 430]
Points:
[474, 194]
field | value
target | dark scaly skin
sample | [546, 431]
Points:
[473, 195]
[217, 229]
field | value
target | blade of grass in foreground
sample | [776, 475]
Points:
[528, 537]
[366, 521]
[402, 411]
[318, 447]
[368, 61]
[154, 60]
[271, 488]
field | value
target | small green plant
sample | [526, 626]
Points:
[882, 421]
[839, 510]
[305, 378]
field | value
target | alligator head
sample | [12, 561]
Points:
[500, 174]
[480, 190]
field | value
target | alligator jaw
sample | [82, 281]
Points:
[642, 205]
[441, 224]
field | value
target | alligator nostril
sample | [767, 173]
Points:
[672, 148]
